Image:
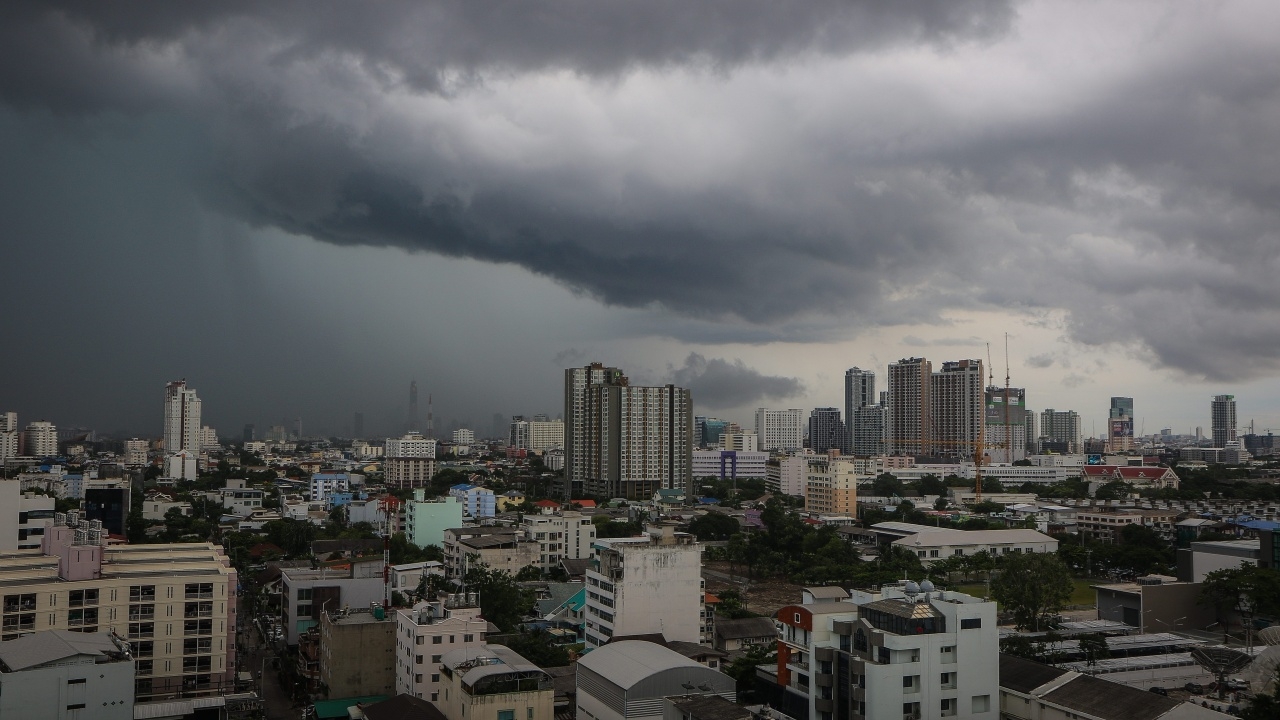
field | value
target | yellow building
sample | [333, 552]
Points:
[175, 604]
[831, 486]
[493, 682]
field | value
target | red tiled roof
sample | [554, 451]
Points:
[547, 504]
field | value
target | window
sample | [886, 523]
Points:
[304, 594]
[908, 681]
[417, 640]
[435, 658]
[86, 616]
[198, 609]
[77, 706]
[417, 678]
[144, 667]
[435, 677]
[468, 638]
[435, 696]
[76, 681]
[959, 551]
[141, 630]
[970, 623]
[197, 591]
[143, 649]
[142, 612]
[506, 715]
[437, 639]
[81, 598]
[981, 703]
[529, 713]
[417, 659]
[142, 593]
[947, 649]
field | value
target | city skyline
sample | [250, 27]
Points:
[644, 198]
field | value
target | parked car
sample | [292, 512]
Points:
[1194, 688]
[1159, 691]
[1237, 684]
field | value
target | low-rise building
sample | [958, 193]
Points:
[306, 593]
[1202, 558]
[729, 464]
[428, 630]
[406, 576]
[734, 635]
[647, 585]
[1154, 603]
[630, 679]
[477, 502]
[457, 557]
[426, 520]
[63, 675]
[358, 652]
[493, 682]
[1105, 525]
[559, 535]
[931, 547]
[23, 516]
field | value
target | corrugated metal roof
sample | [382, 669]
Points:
[160, 710]
[627, 662]
[52, 645]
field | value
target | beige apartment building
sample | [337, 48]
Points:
[175, 604]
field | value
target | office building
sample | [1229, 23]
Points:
[493, 682]
[632, 441]
[957, 411]
[1223, 416]
[729, 464]
[428, 630]
[908, 426]
[181, 419]
[107, 502]
[1006, 424]
[826, 430]
[578, 418]
[61, 675]
[780, 430]
[1059, 431]
[646, 585]
[40, 440]
[1120, 425]
[744, 441]
[176, 604]
[708, 431]
[905, 651]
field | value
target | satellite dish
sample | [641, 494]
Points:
[1221, 662]
[1270, 635]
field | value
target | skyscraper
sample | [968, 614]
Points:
[1006, 432]
[1223, 415]
[8, 435]
[637, 440]
[859, 392]
[578, 419]
[40, 439]
[826, 430]
[1120, 424]
[867, 431]
[181, 419]
[956, 408]
[780, 429]
[1060, 431]
[909, 431]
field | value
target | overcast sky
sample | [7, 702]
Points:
[301, 206]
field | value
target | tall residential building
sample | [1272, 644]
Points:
[957, 412]
[646, 585]
[624, 441]
[780, 430]
[908, 427]
[1060, 431]
[40, 439]
[867, 431]
[412, 445]
[181, 419]
[462, 436]
[23, 516]
[176, 604]
[9, 445]
[1032, 429]
[831, 486]
[1223, 412]
[826, 430]
[135, 452]
[536, 435]
[1120, 424]
[859, 392]
[578, 419]
[1006, 432]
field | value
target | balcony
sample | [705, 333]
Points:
[824, 704]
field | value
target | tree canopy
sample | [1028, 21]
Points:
[1033, 588]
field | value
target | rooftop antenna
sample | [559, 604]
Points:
[1008, 429]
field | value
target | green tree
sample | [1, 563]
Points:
[886, 485]
[1094, 646]
[1237, 589]
[713, 526]
[502, 601]
[537, 647]
[1033, 587]
[135, 526]
[743, 668]
[931, 485]
[992, 485]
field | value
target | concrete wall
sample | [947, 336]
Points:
[358, 658]
[46, 693]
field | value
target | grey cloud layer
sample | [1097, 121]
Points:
[1144, 201]
[719, 383]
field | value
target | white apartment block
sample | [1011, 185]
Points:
[564, 535]
[934, 544]
[729, 464]
[462, 436]
[209, 439]
[411, 445]
[545, 435]
[787, 475]
[650, 584]
[781, 430]
[909, 652]
[23, 517]
[428, 630]
[184, 465]
[238, 498]
[41, 439]
[325, 484]
[181, 419]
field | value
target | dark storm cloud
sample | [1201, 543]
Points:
[719, 383]
[1142, 201]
